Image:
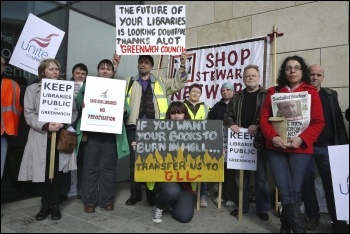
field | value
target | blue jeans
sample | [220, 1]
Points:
[262, 197]
[174, 195]
[99, 169]
[4, 146]
[312, 209]
[204, 188]
[288, 171]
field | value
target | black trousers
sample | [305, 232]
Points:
[50, 190]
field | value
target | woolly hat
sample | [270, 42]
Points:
[227, 85]
[148, 57]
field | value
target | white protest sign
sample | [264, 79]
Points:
[104, 105]
[56, 101]
[339, 161]
[39, 40]
[241, 153]
[151, 29]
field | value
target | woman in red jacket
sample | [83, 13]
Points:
[288, 160]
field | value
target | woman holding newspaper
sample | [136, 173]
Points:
[36, 156]
[288, 160]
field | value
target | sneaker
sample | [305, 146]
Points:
[204, 203]
[230, 204]
[217, 199]
[157, 215]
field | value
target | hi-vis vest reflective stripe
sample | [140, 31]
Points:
[202, 112]
[160, 96]
[10, 107]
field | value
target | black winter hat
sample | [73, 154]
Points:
[148, 57]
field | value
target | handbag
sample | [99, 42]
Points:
[259, 139]
[66, 141]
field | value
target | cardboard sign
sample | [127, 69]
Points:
[56, 101]
[339, 161]
[151, 29]
[179, 150]
[104, 105]
[241, 153]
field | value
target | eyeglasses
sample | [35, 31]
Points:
[296, 68]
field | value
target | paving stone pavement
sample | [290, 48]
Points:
[19, 217]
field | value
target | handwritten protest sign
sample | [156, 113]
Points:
[56, 101]
[179, 150]
[39, 40]
[151, 29]
[241, 153]
[104, 105]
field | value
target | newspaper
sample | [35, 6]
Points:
[295, 108]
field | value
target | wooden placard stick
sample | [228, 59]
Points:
[240, 200]
[52, 155]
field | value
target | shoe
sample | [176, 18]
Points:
[203, 203]
[230, 204]
[63, 198]
[157, 215]
[312, 223]
[133, 200]
[43, 213]
[217, 199]
[234, 212]
[108, 207]
[341, 227]
[89, 208]
[55, 213]
[263, 216]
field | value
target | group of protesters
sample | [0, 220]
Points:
[147, 97]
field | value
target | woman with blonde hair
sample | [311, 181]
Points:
[36, 156]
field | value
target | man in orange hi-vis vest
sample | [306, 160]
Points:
[10, 111]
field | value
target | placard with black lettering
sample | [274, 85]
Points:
[150, 29]
[56, 101]
[179, 150]
[104, 105]
[241, 153]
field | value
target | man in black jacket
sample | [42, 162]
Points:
[333, 133]
[243, 111]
